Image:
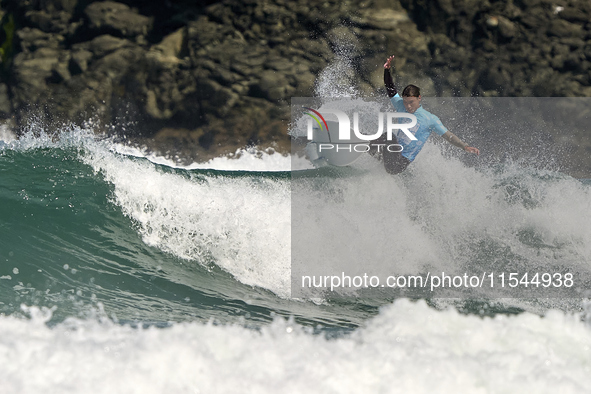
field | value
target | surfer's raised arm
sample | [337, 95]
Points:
[390, 87]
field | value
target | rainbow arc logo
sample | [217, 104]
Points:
[316, 118]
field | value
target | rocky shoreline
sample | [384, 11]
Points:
[199, 79]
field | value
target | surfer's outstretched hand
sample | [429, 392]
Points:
[387, 65]
[471, 149]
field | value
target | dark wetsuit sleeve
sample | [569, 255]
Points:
[389, 83]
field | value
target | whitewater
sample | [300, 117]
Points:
[124, 272]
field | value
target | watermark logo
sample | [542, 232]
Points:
[359, 142]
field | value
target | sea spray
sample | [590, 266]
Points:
[459, 353]
[337, 79]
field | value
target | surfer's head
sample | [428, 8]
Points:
[411, 97]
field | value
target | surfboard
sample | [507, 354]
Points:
[326, 147]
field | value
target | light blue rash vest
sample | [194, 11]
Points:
[426, 124]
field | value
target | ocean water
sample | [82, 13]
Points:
[123, 272]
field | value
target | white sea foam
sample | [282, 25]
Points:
[242, 160]
[6, 134]
[244, 224]
[442, 216]
[440, 208]
[408, 347]
[241, 224]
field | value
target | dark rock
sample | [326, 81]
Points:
[31, 39]
[118, 64]
[269, 86]
[59, 73]
[206, 77]
[31, 73]
[382, 19]
[562, 28]
[279, 64]
[224, 76]
[53, 6]
[574, 15]
[57, 22]
[172, 48]
[103, 45]
[203, 32]
[5, 106]
[109, 17]
[79, 61]
[507, 29]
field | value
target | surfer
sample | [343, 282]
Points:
[410, 102]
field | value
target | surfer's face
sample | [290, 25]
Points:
[411, 104]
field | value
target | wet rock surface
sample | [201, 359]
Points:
[200, 79]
